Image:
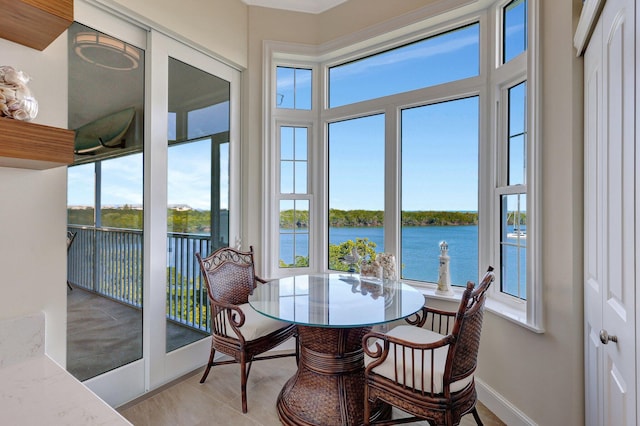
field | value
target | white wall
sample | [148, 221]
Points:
[217, 25]
[539, 377]
[33, 207]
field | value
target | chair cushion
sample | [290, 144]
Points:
[414, 378]
[256, 325]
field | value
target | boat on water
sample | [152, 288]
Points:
[517, 233]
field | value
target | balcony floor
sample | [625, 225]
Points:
[103, 334]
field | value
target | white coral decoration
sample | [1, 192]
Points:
[15, 97]
[388, 263]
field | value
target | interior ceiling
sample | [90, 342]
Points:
[308, 6]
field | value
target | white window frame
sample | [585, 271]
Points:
[493, 78]
[275, 119]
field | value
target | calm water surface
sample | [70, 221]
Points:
[421, 251]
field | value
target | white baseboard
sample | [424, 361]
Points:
[501, 407]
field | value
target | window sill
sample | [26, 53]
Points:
[501, 309]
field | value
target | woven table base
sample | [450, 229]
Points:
[328, 388]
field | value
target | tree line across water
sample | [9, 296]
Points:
[199, 221]
[359, 218]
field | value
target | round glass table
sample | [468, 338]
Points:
[333, 312]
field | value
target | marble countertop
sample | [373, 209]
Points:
[37, 391]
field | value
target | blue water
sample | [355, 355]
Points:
[421, 250]
[420, 254]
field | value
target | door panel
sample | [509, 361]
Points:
[173, 270]
[106, 69]
[619, 201]
[593, 228]
[610, 230]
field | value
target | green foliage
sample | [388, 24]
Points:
[80, 216]
[512, 218]
[290, 219]
[439, 218]
[186, 300]
[180, 221]
[352, 218]
[189, 221]
[199, 221]
[124, 218]
[300, 262]
[365, 247]
[365, 218]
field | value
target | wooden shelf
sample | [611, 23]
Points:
[34, 23]
[34, 146]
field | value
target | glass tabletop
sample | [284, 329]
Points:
[336, 300]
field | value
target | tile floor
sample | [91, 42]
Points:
[217, 401]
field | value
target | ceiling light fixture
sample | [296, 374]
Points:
[105, 51]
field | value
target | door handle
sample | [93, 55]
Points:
[605, 338]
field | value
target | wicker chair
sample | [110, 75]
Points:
[427, 368]
[237, 329]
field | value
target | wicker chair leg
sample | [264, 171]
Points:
[477, 416]
[209, 365]
[243, 382]
[367, 408]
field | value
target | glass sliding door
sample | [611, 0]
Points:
[105, 208]
[197, 194]
[155, 180]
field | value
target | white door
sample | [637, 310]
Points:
[185, 83]
[610, 232]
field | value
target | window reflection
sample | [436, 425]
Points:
[197, 194]
[105, 193]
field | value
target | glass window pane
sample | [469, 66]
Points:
[293, 88]
[285, 87]
[303, 89]
[294, 233]
[121, 194]
[356, 188]
[443, 58]
[514, 29]
[81, 195]
[301, 177]
[286, 143]
[517, 160]
[301, 138]
[106, 95]
[209, 120]
[106, 109]
[440, 190]
[513, 244]
[293, 160]
[171, 126]
[286, 177]
[197, 195]
[517, 135]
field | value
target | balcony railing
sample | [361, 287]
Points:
[108, 261]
